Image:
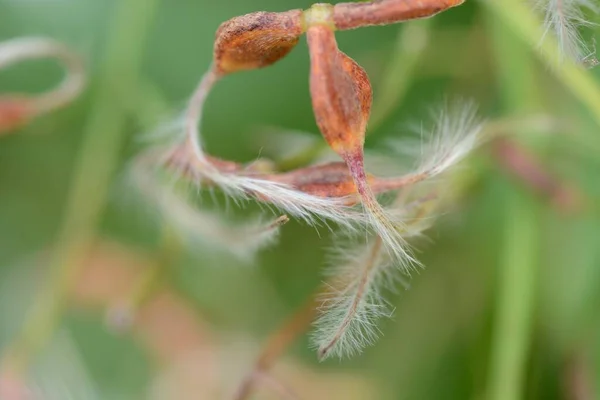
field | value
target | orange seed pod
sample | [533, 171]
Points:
[383, 12]
[324, 180]
[256, 40]
[342, 96]
[341, 92]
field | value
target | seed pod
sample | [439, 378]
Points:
[341, 93]
[383, 12]
[324, 180]
[341, 96]
[256, 40]
[335, 180]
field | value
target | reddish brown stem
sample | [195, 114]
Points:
[276, 386]
[382, 185]
[276, 345]
[383, 12]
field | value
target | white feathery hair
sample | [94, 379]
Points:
[564, 18]
[453, 136]
[208, 229]
[455, 132]
[349, 313]
[298, 204]
[354, 301]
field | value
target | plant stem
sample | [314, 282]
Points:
[93, 171]
[515, 301]
[410, 44]
[518, 15]
[517, 271]
[278, 343]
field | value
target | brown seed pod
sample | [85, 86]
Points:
[256, 40]
[341, 96]
[383, 12]
[325, 180]
[340, 90]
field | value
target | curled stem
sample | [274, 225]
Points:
[194, 114]
[28, 48]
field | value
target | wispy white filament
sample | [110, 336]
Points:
[455, 131]
[349, 314]
[211, 230]
[564, 18]
[235, 184]
[351, 309]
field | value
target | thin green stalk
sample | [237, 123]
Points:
[98, 156]
[515, 300]
[517, 272]
[521, 19]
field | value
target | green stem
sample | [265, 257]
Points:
[96, 161]
[529, 28]
[515, 301]
[517, 272]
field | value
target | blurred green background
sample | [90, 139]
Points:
[507, 306]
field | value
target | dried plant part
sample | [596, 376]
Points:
[256, 40]
[341, 99]
[350, 309]
[342, 192]
[564, 18]
[201, 227]
[327, 191]
[241, 182]
[276, 345]
[342, 96]
[353, 301]
[334, 180]
[385, 12]
[17, 109]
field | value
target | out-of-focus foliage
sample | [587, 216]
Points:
[439, 343]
